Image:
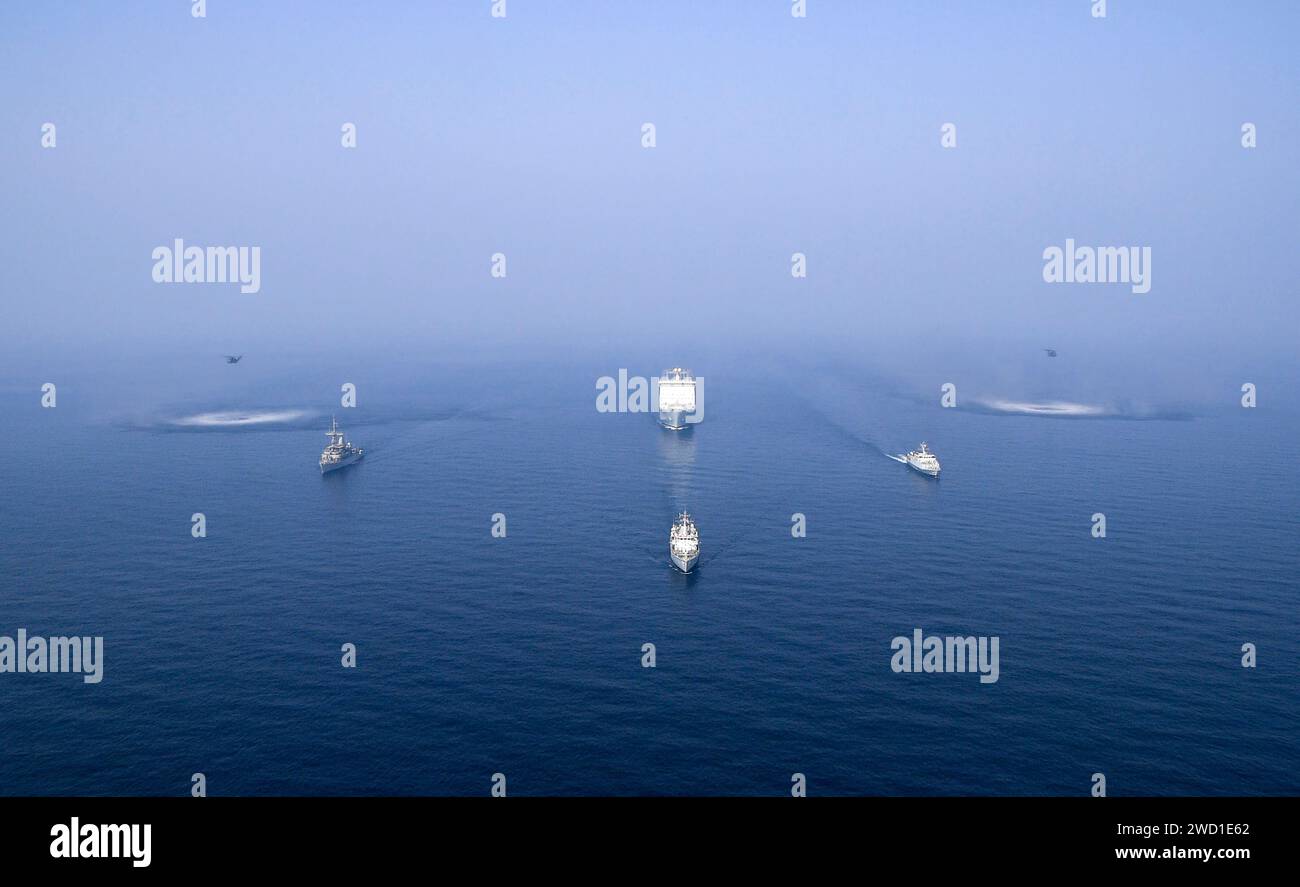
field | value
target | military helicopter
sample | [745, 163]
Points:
[1051, 352]
[234, 358]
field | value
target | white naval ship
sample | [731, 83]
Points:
[676, 398]
[338, 453]
[922, 460]
[684, 543]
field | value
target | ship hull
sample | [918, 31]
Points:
[342, 463]
[674, 420]
[682, 563]
[927, 472]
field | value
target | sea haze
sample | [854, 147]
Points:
[523, 655]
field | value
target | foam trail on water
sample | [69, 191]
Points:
[233, 419]
[1059, 408]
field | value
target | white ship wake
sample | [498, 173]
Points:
[240, 419]
[1049, 408]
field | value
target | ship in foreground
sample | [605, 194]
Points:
[676, 398]
[338, 453]
[922, 460]
[684, 543]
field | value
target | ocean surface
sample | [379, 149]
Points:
[522, 655]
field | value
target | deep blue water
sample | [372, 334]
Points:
[523, 655]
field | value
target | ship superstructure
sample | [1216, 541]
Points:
[677, 398]
[684, 543]
[339, 452]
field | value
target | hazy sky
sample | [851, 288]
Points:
[774, 135]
